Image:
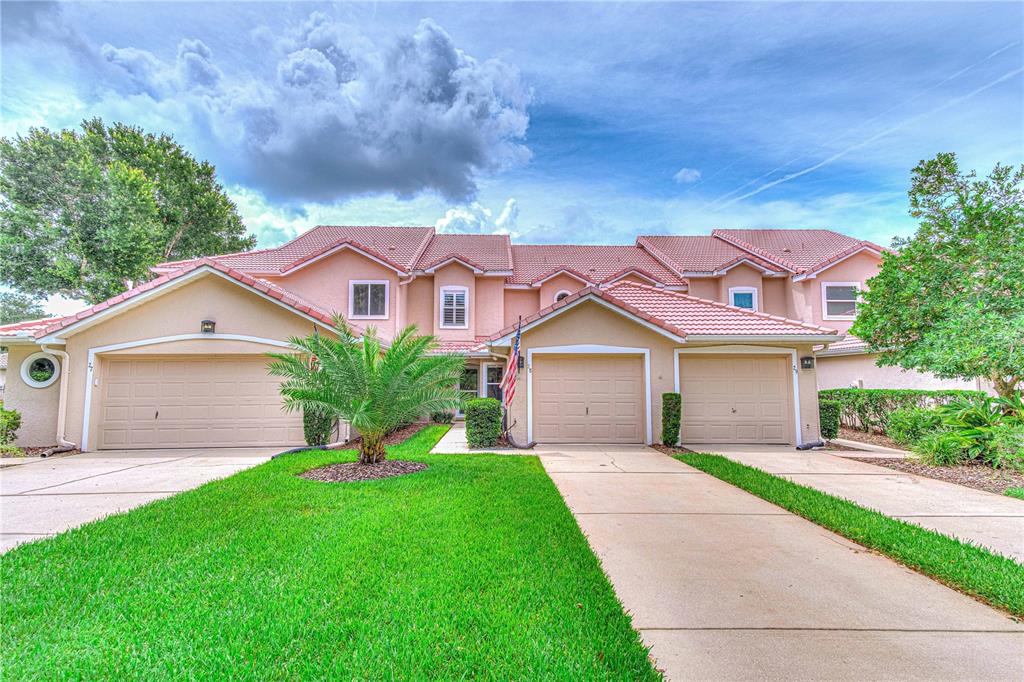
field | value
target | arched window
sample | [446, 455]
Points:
[561, 294]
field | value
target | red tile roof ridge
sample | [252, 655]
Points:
[717, 304]
[344, 241]
[756, 250]
[643, 242]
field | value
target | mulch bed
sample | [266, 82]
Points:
[870, 438]
[354, 471]
[977, 476]
[35, 452]
[396, 437]
[672, 449]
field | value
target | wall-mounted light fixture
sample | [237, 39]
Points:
[807, 363]
[207, 326]
[522, 362]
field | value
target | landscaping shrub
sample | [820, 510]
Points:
[943, 449]
[828, 418]
[1015, 492]
[671, 414]
[869, 408]
[483, 422]
[10, 422]
[442, 417]
[1006, 449]
[909, 424]
[316, 427]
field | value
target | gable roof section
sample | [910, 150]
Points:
[682, 316]
[533, 263]
[702, 254]
[483, 252]
[801, 250]
[37, 330]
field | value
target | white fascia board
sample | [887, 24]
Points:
[566, 273]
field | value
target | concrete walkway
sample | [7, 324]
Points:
[725, 586]
[993, 521]
[41, 498]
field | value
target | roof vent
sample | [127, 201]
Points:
[787, 250]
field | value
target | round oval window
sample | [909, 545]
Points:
[40, 370]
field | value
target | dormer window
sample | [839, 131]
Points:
[454, 307]
[368, 299]
[743, 297]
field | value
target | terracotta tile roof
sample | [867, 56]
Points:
[695, 253]
[39, 328]
[399, 247]
[487, 252]
[479, 345]
[849, 346]
[596, 264]
[27, 328]
[684, 315]
[801, 250]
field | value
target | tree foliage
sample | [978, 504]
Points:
[16, 306]
[375, 389]
[950, 299]
[86, 214]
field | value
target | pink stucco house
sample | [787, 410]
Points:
[744, 323]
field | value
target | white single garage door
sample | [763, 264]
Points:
[588, 399]
[183, 402]
[736, 399]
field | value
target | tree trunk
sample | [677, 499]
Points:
[1005, 387]
[371, 450]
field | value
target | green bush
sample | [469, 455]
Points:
[909, 424]
[442, 417]
[943, 449]
[483, 422]
[671, 414]
[828, 418]
[1015, 492]
[10, 422]
[1006, 448]
[869, 408]
[316, 427]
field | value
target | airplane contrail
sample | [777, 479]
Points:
[898, 126]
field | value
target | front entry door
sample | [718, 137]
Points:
[469, 384]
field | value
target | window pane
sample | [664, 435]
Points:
[841, 308]
[378, 299]
[453, 309]
[743, 299]
[360, 299]
[841, 293]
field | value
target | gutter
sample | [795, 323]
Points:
[63, 444]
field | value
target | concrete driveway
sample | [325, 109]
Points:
[993, 521]
[725, 586]
[45, 497]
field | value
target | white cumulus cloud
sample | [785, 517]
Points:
[685, 176]
[477, 219]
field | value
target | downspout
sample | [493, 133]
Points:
[63, 444]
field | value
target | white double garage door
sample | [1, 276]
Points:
[602, 399]
[192, 401]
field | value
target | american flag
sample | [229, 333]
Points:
[508, 382]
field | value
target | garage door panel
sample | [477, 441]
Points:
[209, 402]
[736, 399]
[588, 399]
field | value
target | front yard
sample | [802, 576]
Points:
[473, 568]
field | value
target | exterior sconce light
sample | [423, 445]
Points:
[207, 326]
[807, 363]
[521, 362]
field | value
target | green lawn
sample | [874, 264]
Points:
[968, 568]
[473, 568]
[1015, 492]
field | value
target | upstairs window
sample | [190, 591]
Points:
[564, 293]
[839, 300]
[454, 307]
[743, 297]
[368, 300]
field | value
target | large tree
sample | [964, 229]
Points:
[950, 299]
[85, 214]
[16, 306]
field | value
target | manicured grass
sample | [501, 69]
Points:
[1015, 492]
[473, 568]
[968, 568]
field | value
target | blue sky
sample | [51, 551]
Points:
[579, 122]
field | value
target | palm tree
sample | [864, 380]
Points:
[375, 389]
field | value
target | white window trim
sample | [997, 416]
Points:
[745, 290]
[387, 299]
[559, 293]
[595, 349]
[824, 300]
[27, 362]
[440, 307]
[483, 375]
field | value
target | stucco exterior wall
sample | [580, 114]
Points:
[520, 302]
[776, 295]
[490, 305]
[38, 406]
[550, 288]
[860, 371]
[418, 300]
[859, 268]
[704, 287]
[740, 276]
[460, 276]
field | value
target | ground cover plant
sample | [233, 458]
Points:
[974, 570]
[470, 569]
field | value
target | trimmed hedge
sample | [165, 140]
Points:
[483, 422]
[671, 414]
[316, 428]
[828, 418]
[869, 408]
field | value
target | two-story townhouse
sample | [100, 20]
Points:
[732, 320]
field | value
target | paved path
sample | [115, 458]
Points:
[994, 521]
[45, 497]
[725, 586]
